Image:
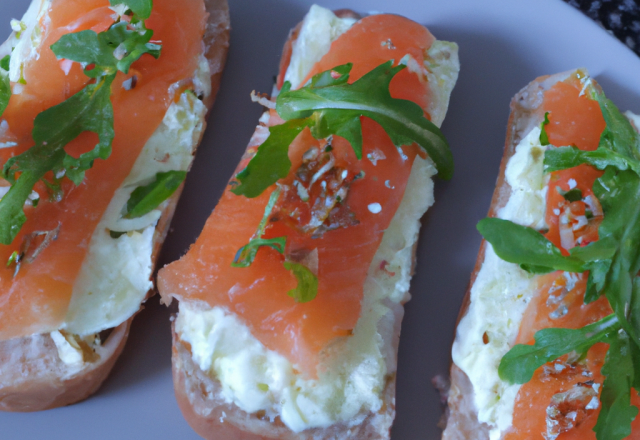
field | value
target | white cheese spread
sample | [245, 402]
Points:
[319, 29]
[116, 273]
[501, 293]
[69, 353]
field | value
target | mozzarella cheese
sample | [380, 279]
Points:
[351, 380]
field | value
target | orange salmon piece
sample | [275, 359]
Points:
[583, 177]
[574, 120]
[258, 294]
[36, 300]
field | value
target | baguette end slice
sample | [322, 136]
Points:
[32, 376]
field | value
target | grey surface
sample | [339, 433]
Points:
[503, 45]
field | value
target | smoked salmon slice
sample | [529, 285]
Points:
[337, 246]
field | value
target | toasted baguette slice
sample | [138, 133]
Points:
[480, 404]
[202, 396]
[33, 375]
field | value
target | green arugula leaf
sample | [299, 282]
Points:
[633, 312]
[369, 96]
[601, 250]
[597, 257]
[619, 145]
[271, 161]
[345, 124]
[145, 199]
[273, 199]
[107, 52]
[618, 135]
[597, 274]
[519, 364]
[544, 138]
[563, 158]
[307, 287]
[141, 8]
[88, 110]
[5, 84]
[619, 195]
[617, 413]
[635, 358]
[526, 246]
[5, 63]
[613, 261]
[247, 253]
[329, 105]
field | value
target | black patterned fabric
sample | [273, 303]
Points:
[620, 17]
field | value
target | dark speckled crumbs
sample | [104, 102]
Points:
[619, 17]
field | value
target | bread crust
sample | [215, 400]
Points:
[205, 409]
[526, 112]
[32, 376]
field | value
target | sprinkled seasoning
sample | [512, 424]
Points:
[374, 208]
[402, 155]
[130, 83]
[388, 44]
[375, 156]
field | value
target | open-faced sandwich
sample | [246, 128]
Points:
[548, 344]
[102, 105]
[291, 299]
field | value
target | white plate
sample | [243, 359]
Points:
[504, 44]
